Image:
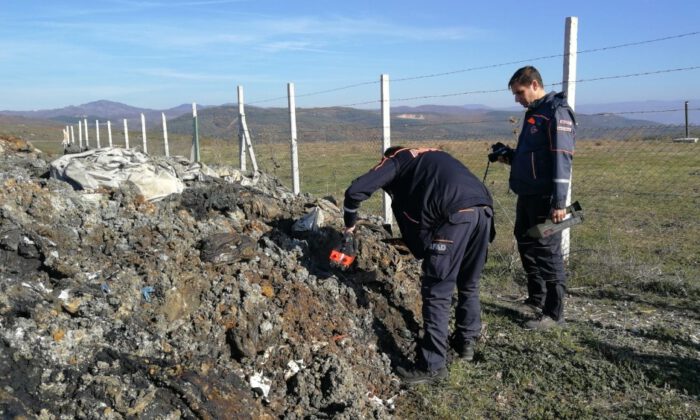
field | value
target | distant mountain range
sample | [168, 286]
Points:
[435, 122]
[664, 112]
[101, 110]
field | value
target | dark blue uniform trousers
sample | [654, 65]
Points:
[541, 258]
[456, 256]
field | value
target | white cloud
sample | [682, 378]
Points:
[348, 27]
[307, 33]
[180, 75]
[278, 46]
[168, 73]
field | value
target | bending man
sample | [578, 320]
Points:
[445, 216]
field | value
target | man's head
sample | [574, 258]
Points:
[391, 150]
[526, 85]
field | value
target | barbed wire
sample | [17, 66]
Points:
[484, 67]
[644, 112]
[490, 66]
[504, 129]
[622, 76]
[511, 120]
[318, 92]
[473, 92]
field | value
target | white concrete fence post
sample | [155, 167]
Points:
[97, 133]
[72, 134]
[143, 133]
[109, 132]
[246, 134]
[80, 135]
[293, 133]
[165, 134]
[126, 134]
[386, 139]
[194, 150]
[569, 86]
[241, 132]
[87, 136]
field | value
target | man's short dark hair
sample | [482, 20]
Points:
[391, 150]
[524, 76]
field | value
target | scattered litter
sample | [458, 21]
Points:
[39, 287]
[260, 384]
[112, 167]
[318, 345]
[310, 222]
[389, 404]
[267, 354]
[227, 247]
[105, 289]
[146, 292]
[294, 367]
[65, 294]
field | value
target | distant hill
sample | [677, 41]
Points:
[31, 129]
[442, 109]
[425, 122]
[648, 110]
[100, 110]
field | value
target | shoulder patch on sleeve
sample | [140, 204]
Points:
[419, 151]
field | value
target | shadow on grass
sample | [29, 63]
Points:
[657, 334]
[689, 305]
[675, 371]
[654, 333]
[508, 310]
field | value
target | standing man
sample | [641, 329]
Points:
[540, 174]
[445, 216]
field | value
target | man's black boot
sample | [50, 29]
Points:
[415, 376]
[464, 348]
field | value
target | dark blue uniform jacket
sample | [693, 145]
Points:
[428, 187]
[541, 164]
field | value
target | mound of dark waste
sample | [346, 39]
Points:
[210, 303]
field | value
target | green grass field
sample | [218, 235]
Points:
[632, 345]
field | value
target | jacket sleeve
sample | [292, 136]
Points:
[364, 186]
[562, 140]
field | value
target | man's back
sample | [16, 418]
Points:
[431, 184]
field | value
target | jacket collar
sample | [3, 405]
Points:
[548, 98]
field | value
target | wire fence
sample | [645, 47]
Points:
[639, 187]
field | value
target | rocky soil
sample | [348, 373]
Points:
[206, 304]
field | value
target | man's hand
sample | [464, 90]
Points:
[349, 230]
[558, 215]
[501, 153]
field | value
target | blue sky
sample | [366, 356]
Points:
[162, 53]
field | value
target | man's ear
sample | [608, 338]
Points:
[536, 85]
